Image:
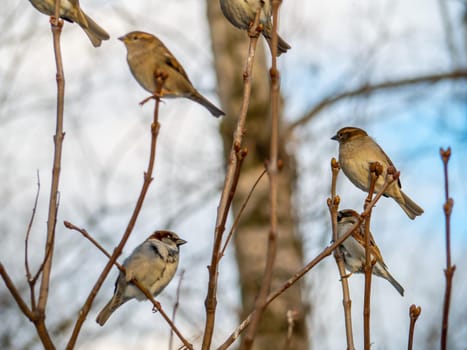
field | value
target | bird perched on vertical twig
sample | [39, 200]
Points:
[153, 263]
[147, 56]
[71, 12]
[242, 13]
[357, 151]
[353, 248]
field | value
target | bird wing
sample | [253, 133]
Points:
[173, 63]
[389, 162]
[359, 235]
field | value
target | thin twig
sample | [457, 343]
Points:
[333, 205]
[231, 180]
[375, 171]
[176, 305]
[240, 212]
[390, 178]
[16, 295]
[368, 89]
[26, 246]
[139, 285]
[414, 312]
[450, 269]
[273, 173]
[139, 203]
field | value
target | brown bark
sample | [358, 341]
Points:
[230, 47]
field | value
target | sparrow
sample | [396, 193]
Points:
[353, 248]
[71, 12]
[357, 151]
[153, 263]
[147, 56]
[242, 13]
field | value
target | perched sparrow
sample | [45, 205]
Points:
[153, 263]
[357, 151]
[353, 248]
[242, 13]
[148, 56]
[71, 12]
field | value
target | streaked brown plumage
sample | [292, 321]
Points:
[148, 56]
[357, 151]
[353, 249]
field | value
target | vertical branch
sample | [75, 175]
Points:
[273, 170]
[236, 156]
[375, 171]
[414, 312]
[155, 126]
[56, 25]
[450, 269]
[333, 205]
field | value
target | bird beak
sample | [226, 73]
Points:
[122, 38]
[180, 241]
[335, 138]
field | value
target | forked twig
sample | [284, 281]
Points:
[56, 26]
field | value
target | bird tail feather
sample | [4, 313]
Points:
[411, 208]
[108, 309]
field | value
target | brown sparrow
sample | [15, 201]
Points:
[242, 13]
[147, 56]
[153, 263]
[71, 12]
[353, 248]
[357, 151]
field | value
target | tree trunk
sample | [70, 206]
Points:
[230, 47]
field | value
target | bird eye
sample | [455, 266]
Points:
[135, 37]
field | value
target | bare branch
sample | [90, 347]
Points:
[368, 89]
[240, 212]
[450, 269]
[15, 293]
[333, 205]
[236, 157]
[273, 170]
[375, 171]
